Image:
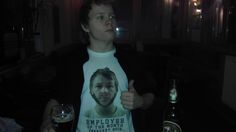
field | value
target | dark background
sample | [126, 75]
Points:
[26, 76]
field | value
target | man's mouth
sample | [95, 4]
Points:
[109, 30]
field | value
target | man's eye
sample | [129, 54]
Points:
[100, 17]
[109, 86]
[112, 17]
[99, 86]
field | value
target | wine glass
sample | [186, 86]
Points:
[62, 116]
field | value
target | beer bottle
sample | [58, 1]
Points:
[172, 114]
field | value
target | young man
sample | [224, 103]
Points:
[97, 19]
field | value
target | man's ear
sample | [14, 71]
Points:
[85, 28]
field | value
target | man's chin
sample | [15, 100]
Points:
[104, 104]
[111, 35]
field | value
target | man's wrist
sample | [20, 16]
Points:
[141, 102]
[146, 100]
[47, 122]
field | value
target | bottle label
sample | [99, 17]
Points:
[170, 126]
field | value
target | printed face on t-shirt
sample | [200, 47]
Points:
[103, 90]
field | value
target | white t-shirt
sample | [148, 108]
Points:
[101, 109]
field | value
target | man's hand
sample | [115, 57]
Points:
[131, 99]
[47, 126]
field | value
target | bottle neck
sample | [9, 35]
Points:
[173, 95]
[173, 101]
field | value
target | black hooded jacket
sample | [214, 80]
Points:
[70, 79]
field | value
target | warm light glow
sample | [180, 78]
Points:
[221, 15]
[196, 7]
[198, 11]
[219, 1]
[168, 2]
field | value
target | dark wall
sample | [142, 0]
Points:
[232, 21]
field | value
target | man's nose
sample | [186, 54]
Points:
[109, 20]
[104, 89]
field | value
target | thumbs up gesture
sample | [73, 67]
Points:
[131, 99]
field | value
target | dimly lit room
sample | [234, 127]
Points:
[189, 41]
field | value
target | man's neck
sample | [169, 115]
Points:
[99, 46]
[106, 111]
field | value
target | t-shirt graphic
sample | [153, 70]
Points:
[103, 88]
[101, 109]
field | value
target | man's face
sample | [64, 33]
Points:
[103, 90]
[102, 23]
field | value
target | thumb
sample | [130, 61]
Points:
[131, 86]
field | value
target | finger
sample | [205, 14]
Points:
[127, 104]
[128, 107]
[51, 129]
[127, 101]
[127, 96]
[131, 86]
